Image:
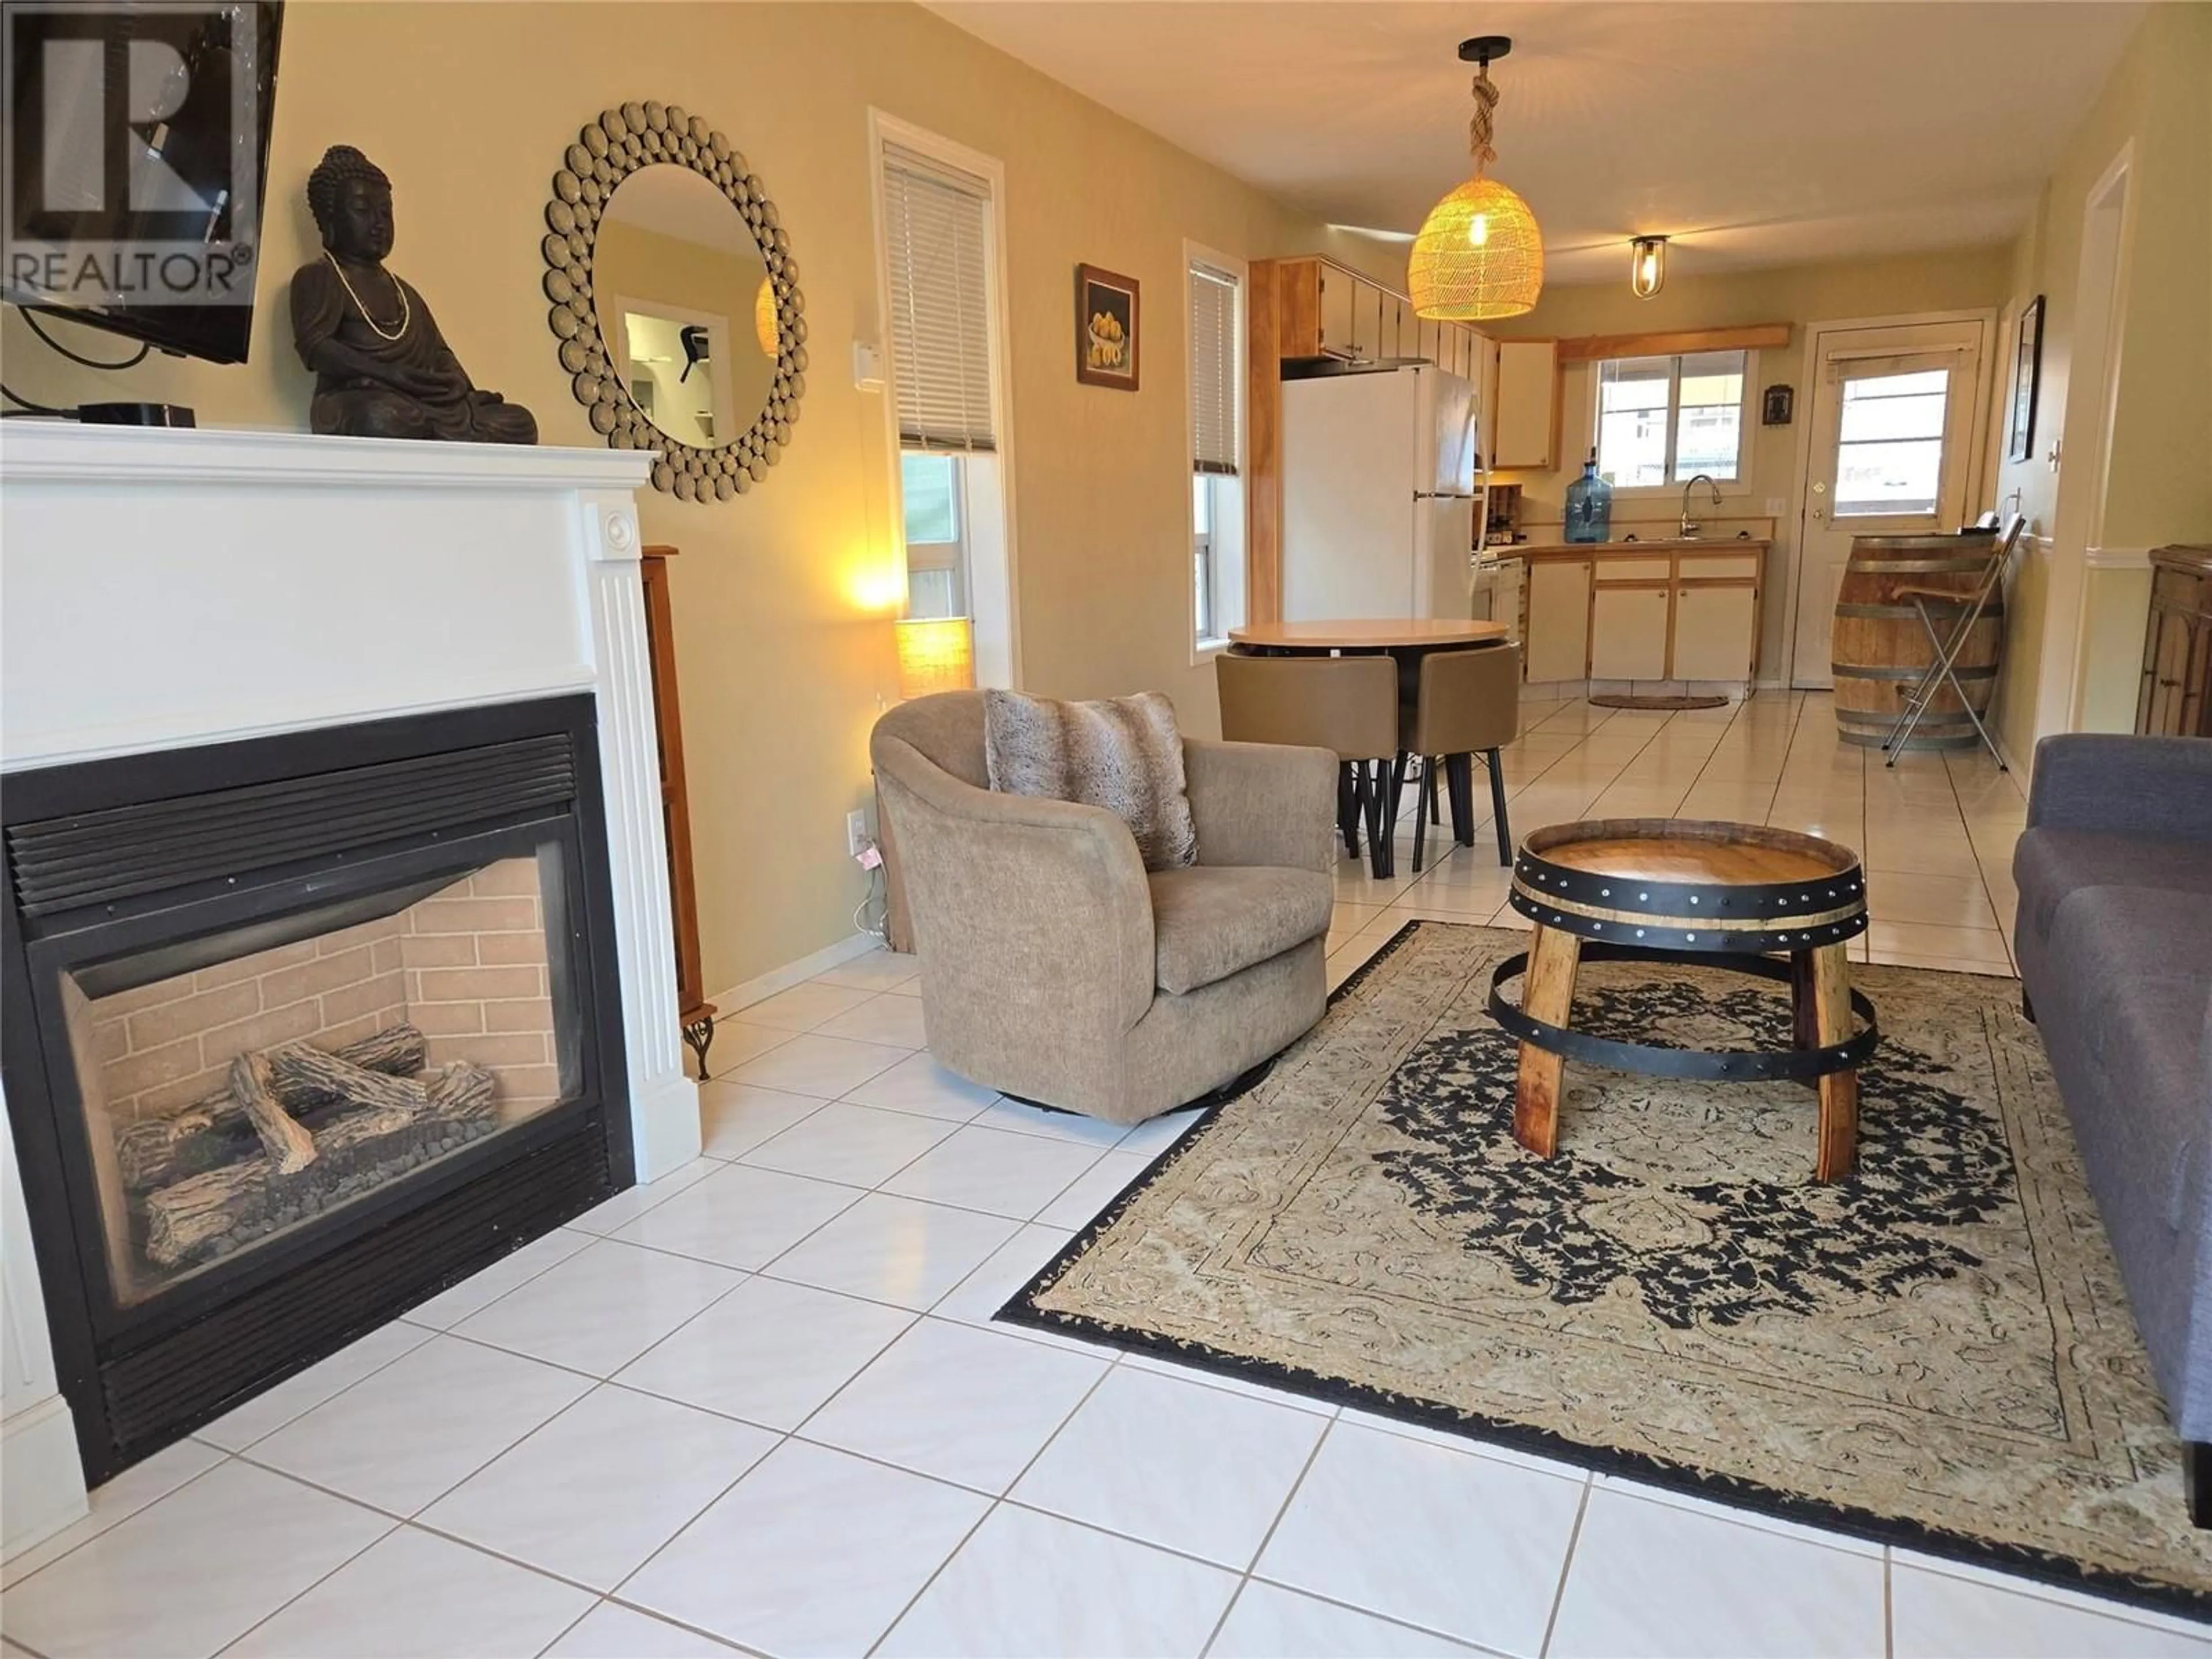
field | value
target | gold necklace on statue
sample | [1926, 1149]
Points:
[381, 332]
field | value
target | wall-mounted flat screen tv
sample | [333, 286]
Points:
[138, 165]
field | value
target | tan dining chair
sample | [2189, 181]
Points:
[1347, 704]
[1468, 703]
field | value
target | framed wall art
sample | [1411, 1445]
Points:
[2027, 381]
[1106, 326]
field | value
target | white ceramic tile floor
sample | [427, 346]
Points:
[810, 1409]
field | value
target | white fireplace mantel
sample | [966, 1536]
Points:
[164, 587]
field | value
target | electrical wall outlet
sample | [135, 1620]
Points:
[856, 834]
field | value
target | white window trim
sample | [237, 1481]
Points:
[1203, 651]
[1739, 485]
[997, 613]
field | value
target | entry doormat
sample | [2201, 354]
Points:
[1936, 1352]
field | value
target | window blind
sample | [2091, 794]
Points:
[937, 233]
[1213, 400]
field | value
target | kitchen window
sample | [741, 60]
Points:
[1662, 421]
[1216, 333]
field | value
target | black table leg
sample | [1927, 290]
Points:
[1347, 809]
[1424, 807]
[1498, 807]
[1459, 774]
[1382, 817]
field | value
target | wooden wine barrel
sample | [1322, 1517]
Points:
[1688, 885]
[1880, 650]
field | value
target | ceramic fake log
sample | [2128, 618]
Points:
[189, 1218]
[212, 1130]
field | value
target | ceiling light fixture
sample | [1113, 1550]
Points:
[1647, 265]
[1479, 252]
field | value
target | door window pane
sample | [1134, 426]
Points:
[1889, 454]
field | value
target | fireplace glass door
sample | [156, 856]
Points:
[255, 1080]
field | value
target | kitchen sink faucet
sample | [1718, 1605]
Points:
[1691, 527]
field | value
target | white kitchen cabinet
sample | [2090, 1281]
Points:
[1628, 632]
[1648, 611]
[1556, 643]
[1482, 369]
[1525, 425]
[1714, 628]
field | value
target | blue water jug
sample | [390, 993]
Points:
[1590, 504]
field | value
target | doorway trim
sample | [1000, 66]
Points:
[1801, 465]
[2085, 429]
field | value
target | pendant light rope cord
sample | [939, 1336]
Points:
[1480, 129]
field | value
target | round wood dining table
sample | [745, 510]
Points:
[1408, 639]
[1392, 634]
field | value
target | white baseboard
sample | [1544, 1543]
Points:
[45, 1488]
[766, 985]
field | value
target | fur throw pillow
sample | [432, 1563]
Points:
[1124, 755]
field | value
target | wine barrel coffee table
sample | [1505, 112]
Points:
[1676, 890]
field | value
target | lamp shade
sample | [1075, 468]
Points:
[1479, 254]
[765, 318]
[935, 653]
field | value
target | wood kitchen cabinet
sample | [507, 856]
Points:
[1524, 413]
[1323, 309]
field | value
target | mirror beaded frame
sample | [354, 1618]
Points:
[607, 151]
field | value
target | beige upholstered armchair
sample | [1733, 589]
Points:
[1054, 968]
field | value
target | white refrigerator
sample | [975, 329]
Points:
[1379, 493]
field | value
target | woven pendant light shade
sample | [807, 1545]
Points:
[1479, 254]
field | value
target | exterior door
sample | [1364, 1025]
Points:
[1892, 418]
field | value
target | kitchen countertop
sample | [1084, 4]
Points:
[1705, 544]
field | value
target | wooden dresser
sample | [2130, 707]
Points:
[2177, 674]
[697, 1013]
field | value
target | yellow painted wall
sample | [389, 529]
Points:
[2159, 479]
[782, 598]
[1964, 279]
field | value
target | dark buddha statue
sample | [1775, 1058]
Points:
[382, 369]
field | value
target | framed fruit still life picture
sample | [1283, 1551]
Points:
[1105, 328]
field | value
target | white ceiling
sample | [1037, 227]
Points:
[1756, 134]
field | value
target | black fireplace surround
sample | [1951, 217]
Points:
[125, 871]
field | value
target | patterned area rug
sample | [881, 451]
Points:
[1936, 1353]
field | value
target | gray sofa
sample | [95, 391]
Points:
[2114, 939]
[1055, 968]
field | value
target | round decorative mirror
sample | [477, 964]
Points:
[676, 300]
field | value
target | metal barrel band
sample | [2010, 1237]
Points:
[1696, 1065]
[1687, 899]
[1694, 930]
